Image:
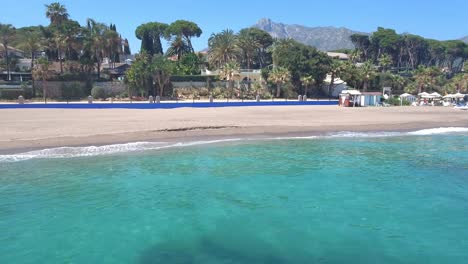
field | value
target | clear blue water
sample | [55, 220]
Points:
[338, 200]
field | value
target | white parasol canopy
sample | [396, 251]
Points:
[434, 94]
[405, 95]
[458, 95]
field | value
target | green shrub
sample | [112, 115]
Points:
[13, 94]
[396, 102]
[99, 93]
[218, 93]
[72, 91]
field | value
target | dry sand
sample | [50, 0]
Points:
[26, 129]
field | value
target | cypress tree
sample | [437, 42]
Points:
[127, 47]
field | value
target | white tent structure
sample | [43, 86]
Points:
[408, 97]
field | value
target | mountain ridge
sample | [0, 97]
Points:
[326, 38]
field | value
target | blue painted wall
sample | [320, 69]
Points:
[161, 105]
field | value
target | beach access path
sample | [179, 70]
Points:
[28, 129]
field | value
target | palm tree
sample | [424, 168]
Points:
[307, 81]
[366, 73]
[398, 81]
[97, 42]
[57, 13]
[32, 43]
[230, 72]
[279, 75]
[249, 46]
[460, 81]
[112, 45]
[59, 41]
[223, 48]
[178, 47]
[336, 67]
[425, 77]
[41, 72]
[356, 56]
[7, 34]
[385, 61]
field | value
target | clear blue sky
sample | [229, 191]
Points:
[429, 18]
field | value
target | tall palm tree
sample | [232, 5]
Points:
[32, 43]
[249, 46]
[59, 41]
[112, 45]
[41, 72]
[366, 73]
[97, 42]
[178, 47]
[280, 76]
[230, 72]
[57, 13]
[223, 48]
[336, 67]
[307, 81]
[7, 34]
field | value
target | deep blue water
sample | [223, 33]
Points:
[401, 199]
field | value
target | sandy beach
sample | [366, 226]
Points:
[27, 129]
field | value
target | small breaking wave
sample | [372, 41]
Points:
[440, 130]
[72, 152]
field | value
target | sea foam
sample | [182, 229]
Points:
[72, 152]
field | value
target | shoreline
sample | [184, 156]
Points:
[47, 128]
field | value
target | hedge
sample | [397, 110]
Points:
[193, 78]
[13, 94]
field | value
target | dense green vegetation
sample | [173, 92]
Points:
[66, 50]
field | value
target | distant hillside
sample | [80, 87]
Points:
[465, 39]
[323, 38]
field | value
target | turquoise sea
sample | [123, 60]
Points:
[345, 198]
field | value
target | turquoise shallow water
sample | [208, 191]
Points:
[397, 199]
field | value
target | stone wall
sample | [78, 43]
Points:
[55, 88]
[112, 88]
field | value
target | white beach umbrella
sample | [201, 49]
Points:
[458, 95]
[405, 95]
[434, 94]
[449, 96]
[423, 94]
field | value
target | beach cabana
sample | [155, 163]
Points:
[349, 97]
[370, 98]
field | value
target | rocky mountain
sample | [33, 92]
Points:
[323, 38]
